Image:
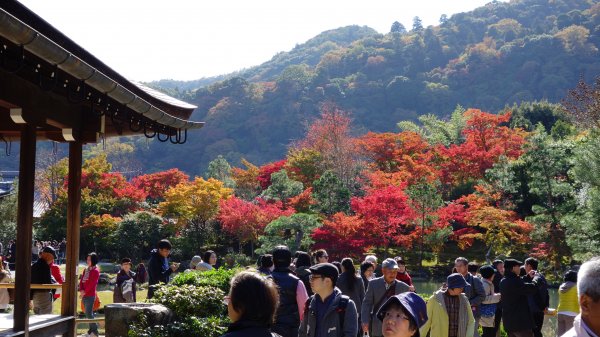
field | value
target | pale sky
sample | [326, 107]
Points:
[190, 39]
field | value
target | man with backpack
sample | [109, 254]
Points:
[328, 312]
[540, 300]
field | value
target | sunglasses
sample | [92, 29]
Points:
[313, 277]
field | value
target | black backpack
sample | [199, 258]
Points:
[341, 308]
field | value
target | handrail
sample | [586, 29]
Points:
[32, 286]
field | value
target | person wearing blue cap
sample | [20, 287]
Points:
[402, 315]
[449, 311]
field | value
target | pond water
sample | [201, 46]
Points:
[549, 329]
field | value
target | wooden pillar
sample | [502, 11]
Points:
[69, 294]
[24, 228]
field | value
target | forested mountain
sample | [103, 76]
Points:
[491, 57]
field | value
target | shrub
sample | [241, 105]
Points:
[218, 278]
[238, 260]
[213, 326]
[190, 300]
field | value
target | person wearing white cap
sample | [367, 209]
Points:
[378, 291]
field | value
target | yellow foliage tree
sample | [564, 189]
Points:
[247, 186]
[194, 204]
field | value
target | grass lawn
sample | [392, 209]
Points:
[106, 297]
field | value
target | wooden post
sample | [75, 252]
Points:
[69, 294]
[24, 229]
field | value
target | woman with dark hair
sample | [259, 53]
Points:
[209, 260]
[367, 269]
[302, 265]
[87, 290]
[350, 284]
[251, 305]
[321, 256]
[266, 264]
[568, 303]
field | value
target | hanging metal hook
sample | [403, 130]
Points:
[146, 131]
[174, 132]
[133, 121]
[162, 140]
[116, 123]
[184, 138]
[7, 145]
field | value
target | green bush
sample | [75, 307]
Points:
[218, 278]
[238, 260]
[189, 300]
[213, 326]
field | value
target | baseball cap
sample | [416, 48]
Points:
[325, 270]
[456, 280]
[414, 305]
[510, 263]
[389, 264]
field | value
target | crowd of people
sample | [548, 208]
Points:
[304, 295]
[380, 300]
[9, 253]
[299, 295]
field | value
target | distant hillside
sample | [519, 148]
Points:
[309, 53]
[493, 56]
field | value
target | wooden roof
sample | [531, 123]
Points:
[76, 95]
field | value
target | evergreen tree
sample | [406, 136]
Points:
[397, 27]
[331, 194]
[220, 169]
[282, 187]
[417, 24]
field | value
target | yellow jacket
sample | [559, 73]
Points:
[438, 320]
[567, 298]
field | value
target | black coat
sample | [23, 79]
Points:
[248, 329]
[515, 307]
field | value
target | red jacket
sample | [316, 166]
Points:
[404, 277]
[89, 282]
[55, 270]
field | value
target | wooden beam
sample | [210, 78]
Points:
[69, 294]
[24, 228]
[45, 109]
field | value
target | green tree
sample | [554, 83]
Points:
[417, 24]
[293, 231]
[220, 169]
[331, 194]
[438, 131]
[138, 233]
[548, 163]
[8, 216]
[398, 28]
[424, 199]
[583, 225]
[282, 187]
